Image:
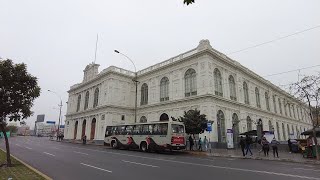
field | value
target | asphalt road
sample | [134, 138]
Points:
[65, 161]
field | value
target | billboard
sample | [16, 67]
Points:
[40, 118]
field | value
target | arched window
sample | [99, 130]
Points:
[270, 126]
[218, 83]
[257, 97]
[84, 123]
[294, 112]
[86, 100]
[143, 119]
[284, 132]
[267, 101]
[164, 117]
[75, 130]
[285, 107]
[280, 106]
[278, 131]
[96, 97]
[249, 124]
[221, 127]
[232, 86]
[235, 128]
[292, 129]
[274, 103]
[164, 89]
[144, 94]
[246, 93]
[190, 79]
[93, 128]
[78, 103]
[290, 114]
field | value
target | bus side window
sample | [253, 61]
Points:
[129, 130]
[164, 129]
[145, 129]
[150, 129]
[122, 130]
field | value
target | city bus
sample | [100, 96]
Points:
[150, 136]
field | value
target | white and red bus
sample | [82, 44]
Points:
[151, 136]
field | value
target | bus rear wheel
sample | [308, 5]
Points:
[114, 145]
[144, 147]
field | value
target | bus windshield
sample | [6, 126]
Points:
[177, 128]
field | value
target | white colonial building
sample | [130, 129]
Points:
[231, 96]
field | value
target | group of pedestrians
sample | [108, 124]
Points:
[245, 144]
[201, 143]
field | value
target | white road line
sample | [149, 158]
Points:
[18, 145]
[96, 167]
[308, 169]
[80, 153]
[49, 154]
[204, 165]
[140, 164]
[28, 147]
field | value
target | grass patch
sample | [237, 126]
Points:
[17, 171]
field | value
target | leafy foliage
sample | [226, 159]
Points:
[12, 129]
[188, 2]
[195, 123]
[18, 89]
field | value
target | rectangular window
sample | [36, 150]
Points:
[122, 117]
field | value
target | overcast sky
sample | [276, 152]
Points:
[56, 39]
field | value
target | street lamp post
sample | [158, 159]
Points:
[60, 107]
[135, 81]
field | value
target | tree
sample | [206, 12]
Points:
[308, 91]
[195, 123]
[18, 90]
[12, 129]
[188, 2]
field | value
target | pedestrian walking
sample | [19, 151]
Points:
[242, 145]
[84, 139]
[191, 143]
[248, 144]
[200, 144]
[274, 145]
[265, 146]
[290, 145]
[205, 141]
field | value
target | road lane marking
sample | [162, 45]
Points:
[96, 167]
[212, 166]
[18, 145]
[49, 154]
[140, 164]
[80, 153]
[308, 169]
[28, 148]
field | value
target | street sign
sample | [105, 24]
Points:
[209, 127]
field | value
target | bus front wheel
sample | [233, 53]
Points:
[144, 147]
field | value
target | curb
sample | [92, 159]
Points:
[254, 158]
[30, 167]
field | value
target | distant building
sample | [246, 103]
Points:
[23, 130]
[45, 129]
[229, 94]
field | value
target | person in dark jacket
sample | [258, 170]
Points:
[290, 145]
[265, 146]
[84, 139]
[248, 144]
[191, 142]
[274, 144]
[242, 145]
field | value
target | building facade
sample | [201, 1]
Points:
[232, 97]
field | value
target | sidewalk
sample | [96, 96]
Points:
[237, 153]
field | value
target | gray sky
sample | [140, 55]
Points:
[56, 39]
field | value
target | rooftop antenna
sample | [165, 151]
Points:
[95, 53]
